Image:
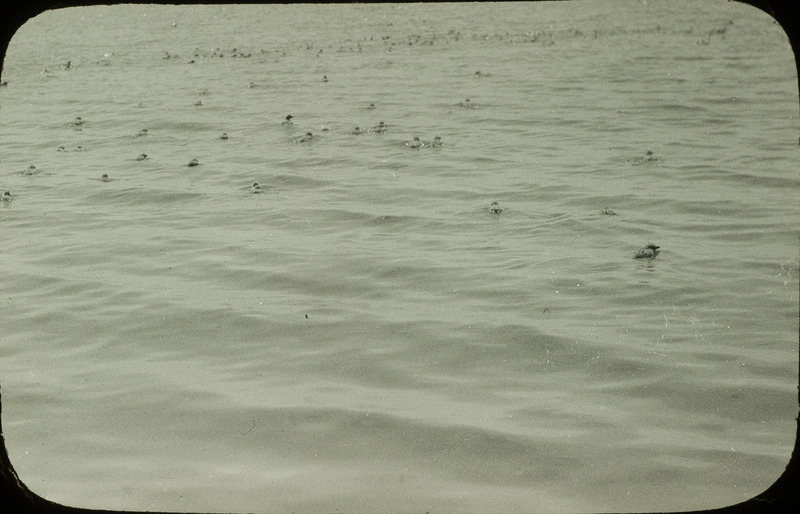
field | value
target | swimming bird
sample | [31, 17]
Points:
[495, 208]
[104, 178]
[224, 135]
[32, 170]
[437, 141]
[649, 156]
[305, 138]
[288, 120]
[415, 143]
[648, 252]
[7, 196]
[380, 128]
[194, 162]
[356, 131]
[142, 157]
[141, 133]
[256, 188]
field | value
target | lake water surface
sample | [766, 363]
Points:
[364, 334]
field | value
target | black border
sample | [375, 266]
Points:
[15, 497]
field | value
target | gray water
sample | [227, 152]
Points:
[364, 335]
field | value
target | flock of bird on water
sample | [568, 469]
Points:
[648, 252]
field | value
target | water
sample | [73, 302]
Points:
[365, 335]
